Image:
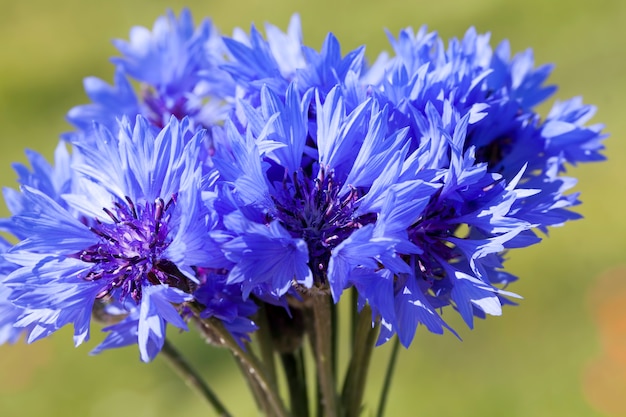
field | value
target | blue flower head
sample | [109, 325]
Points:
[500, 93]
[288, 204]
[130, 235]
[177, 66]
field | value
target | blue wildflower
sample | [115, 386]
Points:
[500, 93]
[177, 66]
[130, 234]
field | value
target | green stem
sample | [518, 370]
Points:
[255, 389]
[388, 376]
[356, 376]
[295, 373]
[334, 348]
[192, 378]
[212, 338]
[249, 364]
[318, 396]
[264, 336]
[323, 351]
[354, 316]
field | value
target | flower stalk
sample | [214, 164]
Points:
[295, 374]
[265, 390]
[266, 345]
[193, 380]
[321, 340]
[391, 367]
[356, 376]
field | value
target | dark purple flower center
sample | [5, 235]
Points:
[159, 111]
[494, 152]
[130, 252]
[313, 210]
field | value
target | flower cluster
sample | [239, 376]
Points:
[252, 171]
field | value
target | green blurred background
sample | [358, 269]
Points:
[560, 353]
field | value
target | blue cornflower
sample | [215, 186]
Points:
[177, 66]
[500, 92]
[128, 237]
[279, 215]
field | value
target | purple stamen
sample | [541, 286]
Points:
[313, 210]
[130, 252]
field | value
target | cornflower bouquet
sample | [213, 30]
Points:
[247, 185]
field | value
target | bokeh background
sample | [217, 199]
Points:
[562, 352]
